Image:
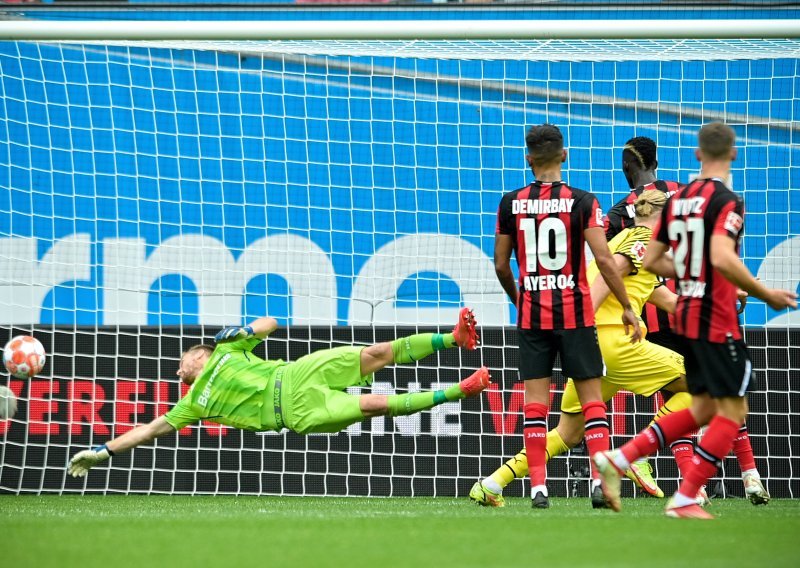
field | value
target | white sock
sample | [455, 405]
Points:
[682, 500]
[595, 484]
[621, 461]
[751, 473]
[537, 489]
[492, 485]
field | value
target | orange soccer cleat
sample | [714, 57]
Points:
[693, 511]
[476, 383]
[464, 332]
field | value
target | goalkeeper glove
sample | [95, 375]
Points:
[234, 332]
[82, 462]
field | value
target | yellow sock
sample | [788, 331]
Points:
[514, 468]
[555, 445]
[517, 467]
[679, 401]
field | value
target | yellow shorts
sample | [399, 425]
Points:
[641, 368]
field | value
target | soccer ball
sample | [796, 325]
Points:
[23, 356]
[8, 403]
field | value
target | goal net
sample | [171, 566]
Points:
[152, 192]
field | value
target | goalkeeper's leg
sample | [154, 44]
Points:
[328, 411]
[415, 347]
[413, 402]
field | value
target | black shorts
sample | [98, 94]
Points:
[719, 369]
[579, 349]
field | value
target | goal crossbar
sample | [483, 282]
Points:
[398, 30]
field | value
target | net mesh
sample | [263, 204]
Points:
[153, 192]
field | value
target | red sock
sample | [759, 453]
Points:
[663, 431]
[683, 450]
[714, 446]
[535, 433]
[743, 449]
[596, 436]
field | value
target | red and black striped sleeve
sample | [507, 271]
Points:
[619, 217]
[505, 218]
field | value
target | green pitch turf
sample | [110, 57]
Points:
[233, 532]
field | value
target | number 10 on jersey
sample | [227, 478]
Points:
[545, 244]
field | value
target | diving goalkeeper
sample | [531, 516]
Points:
[230, 385]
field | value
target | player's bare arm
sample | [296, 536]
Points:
[82, 462]
[726, 260]
[600, 289]
[262, 327]
[502, 265]
[741, 295]
[608, 270]
[140, 435]
[665, 299]
[658, 260]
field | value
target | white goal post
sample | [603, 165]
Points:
[159, 180]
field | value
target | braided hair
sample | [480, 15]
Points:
[643, 150]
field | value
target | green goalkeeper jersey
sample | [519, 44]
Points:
[230, 390]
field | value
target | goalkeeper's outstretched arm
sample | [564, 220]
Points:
[259, 328]
[82, 462]
[140, 435]
[262, 327]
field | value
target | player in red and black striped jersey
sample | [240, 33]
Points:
[620, 216]
[702, 225]
[546, 225]
[639, 163]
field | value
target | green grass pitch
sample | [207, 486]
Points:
[233, 532]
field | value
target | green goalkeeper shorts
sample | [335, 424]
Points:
[313, 398]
